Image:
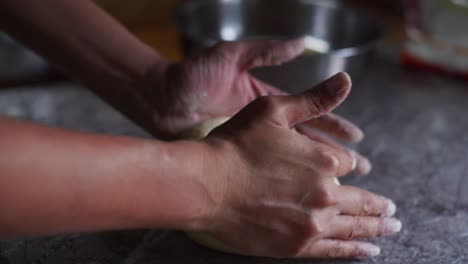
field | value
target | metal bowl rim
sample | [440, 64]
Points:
[184, 9]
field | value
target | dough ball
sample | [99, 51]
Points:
[203, 129]
[212, 243]
[337, 181]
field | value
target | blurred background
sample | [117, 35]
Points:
[428, 34]
[155, 23]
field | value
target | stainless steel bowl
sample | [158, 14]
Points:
[340, 37]
[19, 63]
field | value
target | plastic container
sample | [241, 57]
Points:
[437, 36]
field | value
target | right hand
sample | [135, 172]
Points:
[279, 198]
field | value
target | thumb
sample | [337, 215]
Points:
[268, 52]
[321, 99]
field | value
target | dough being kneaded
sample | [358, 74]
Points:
[198, 132]
[202, 130]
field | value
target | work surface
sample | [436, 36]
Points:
[416, 127]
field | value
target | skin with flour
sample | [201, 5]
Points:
[198, 132]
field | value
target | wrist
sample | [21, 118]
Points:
[217, 164]
[177, 193]
[150, 87]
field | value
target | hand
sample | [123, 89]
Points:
[279, 198]
[217, 84]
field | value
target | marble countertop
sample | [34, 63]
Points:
[416, 126]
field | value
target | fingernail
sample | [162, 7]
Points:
[390, 210]
[363, 166]
[353, 156]
[370, 250]
[366, 166]
[358, 136]
[391, 226]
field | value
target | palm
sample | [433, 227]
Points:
[223, 88]
[217, 82]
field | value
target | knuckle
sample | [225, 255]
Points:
[366, 204]
[314, 103]
[313, 228]
[273, 102]
[336, 250]
[317, 103]
[272, 105]
[325, 197]
[357, 228]
[329, 161]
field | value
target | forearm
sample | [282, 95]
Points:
[54, 181]
[89, 46]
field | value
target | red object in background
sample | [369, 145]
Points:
[436, 36]
[411, 61]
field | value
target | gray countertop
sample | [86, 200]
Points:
[416, 137]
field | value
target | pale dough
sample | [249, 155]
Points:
[198, 132]
[211, 242]
[203, 129]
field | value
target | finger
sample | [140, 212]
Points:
[337, 126]
[348, 227]
[363, 165]
[330, 248]
[355, 201]
[262, 88]
[267, 52]
[331, 161]
[288, 111]
[319, 100]
[323, 98]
